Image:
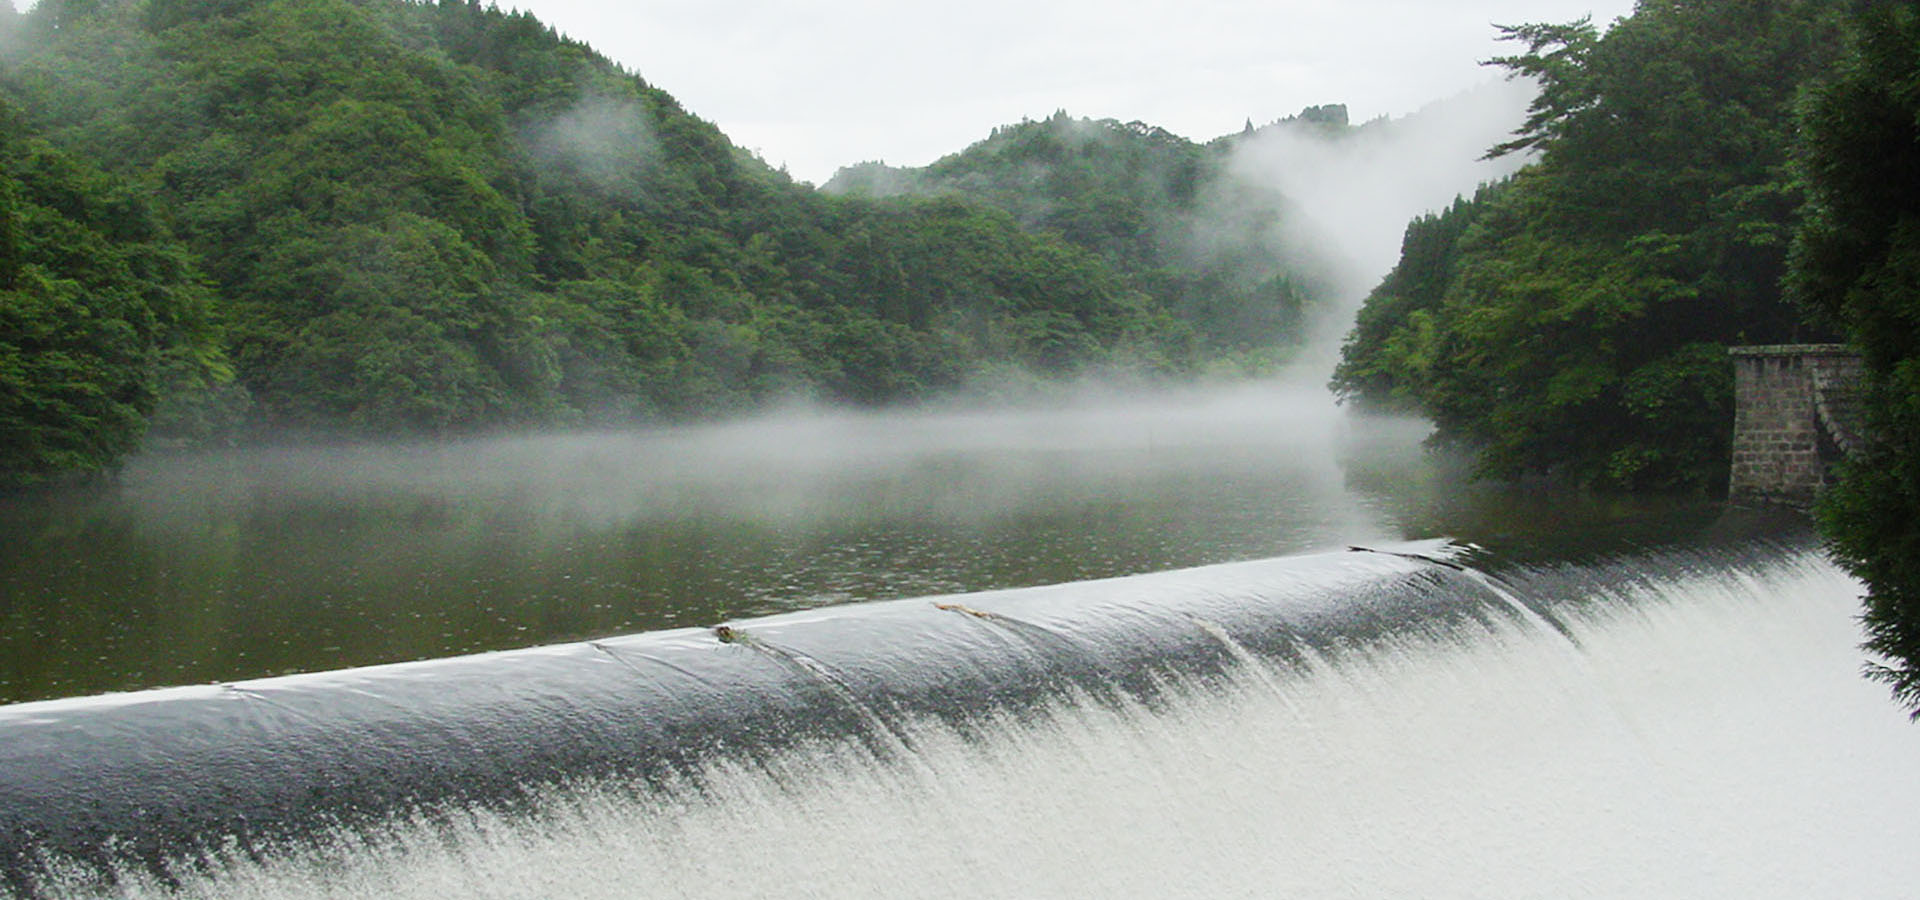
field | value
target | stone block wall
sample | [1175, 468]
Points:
[1793, 411]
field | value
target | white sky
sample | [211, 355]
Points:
[818, 84]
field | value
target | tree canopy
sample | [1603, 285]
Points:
[101, 314]
[1171, 216]
[1856, 262]
[1574, 320]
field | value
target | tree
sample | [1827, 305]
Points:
[1586, 306]
[1385, 332]
[1169, 215]
[1856, 262]
[101, 316]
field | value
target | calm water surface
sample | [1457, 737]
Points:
[264, 562]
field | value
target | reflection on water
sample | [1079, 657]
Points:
[261, 562]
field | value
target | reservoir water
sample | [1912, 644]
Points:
[263, 562]
[1098, 649]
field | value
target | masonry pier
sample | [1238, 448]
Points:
[1796, 412]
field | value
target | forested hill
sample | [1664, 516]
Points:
[1575, 319]
[381, 216]
[1176, 217]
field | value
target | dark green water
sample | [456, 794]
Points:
[260, 562]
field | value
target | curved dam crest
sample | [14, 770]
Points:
[156, 775]
[902, 745]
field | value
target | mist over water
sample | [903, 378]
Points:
[234, 565]
[259, 562]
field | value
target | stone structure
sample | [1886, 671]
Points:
[1796, 411]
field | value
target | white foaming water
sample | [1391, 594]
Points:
[1700, 736]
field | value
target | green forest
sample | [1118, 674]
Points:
[1574, 320]
[1710, 173]
[1169, 215]
[241, 218]
[1855, 265]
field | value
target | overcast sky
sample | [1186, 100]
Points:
[818, 84]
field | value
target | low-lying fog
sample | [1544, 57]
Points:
[959, 463]
[250, 563]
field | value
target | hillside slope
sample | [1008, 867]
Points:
[1174, 216]
[433, 217]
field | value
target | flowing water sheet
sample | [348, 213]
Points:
[1356, 724]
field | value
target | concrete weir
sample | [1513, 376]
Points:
[1796, 411]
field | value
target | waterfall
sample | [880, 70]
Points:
[1677, 723]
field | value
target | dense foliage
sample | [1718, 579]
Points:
[1169, 214]
[438, 216]
[101, 313]
[1396, 322]
[1857, 262]
[1574, 321]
